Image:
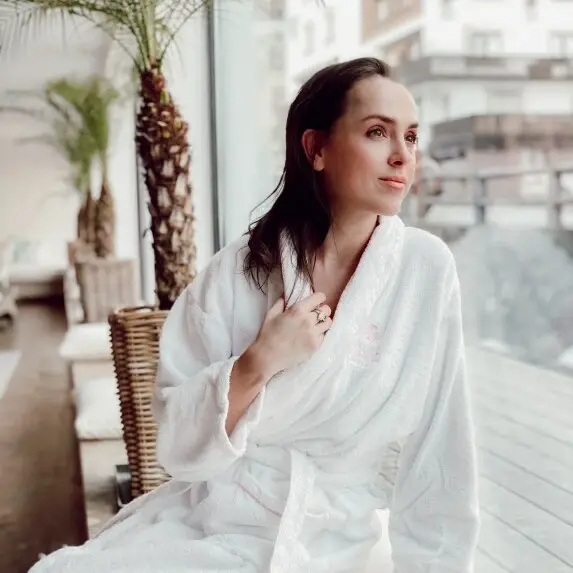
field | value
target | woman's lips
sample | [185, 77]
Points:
[397, 183]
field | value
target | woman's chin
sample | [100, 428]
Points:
[389, 208]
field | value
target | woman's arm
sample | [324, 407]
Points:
[434, 519]
[206, 400]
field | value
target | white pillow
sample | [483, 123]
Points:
[88, 341]
[98, 414]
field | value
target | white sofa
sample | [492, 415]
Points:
[37, 267]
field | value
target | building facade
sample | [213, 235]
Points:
[460, 58]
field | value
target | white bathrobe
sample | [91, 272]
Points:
[296, 487]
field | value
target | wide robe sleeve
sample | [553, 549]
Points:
[191, 393]
[434, 517]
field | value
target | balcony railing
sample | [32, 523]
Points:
[506, 131]
[485, 67]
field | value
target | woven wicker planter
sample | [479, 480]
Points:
[135, 335]
[106, 284]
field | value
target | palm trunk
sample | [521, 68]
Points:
[105, 223]
[164, 151]
[90, 207]
[82, 222]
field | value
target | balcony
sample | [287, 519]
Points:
[451, 67]
[500, 132]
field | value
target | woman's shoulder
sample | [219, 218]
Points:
[228, 260]
[423, 248]
[217, 278]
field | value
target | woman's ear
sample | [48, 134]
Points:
[312, 143]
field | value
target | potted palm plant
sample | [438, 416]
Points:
[77, 113]
[87, 103]
[75, 147]
[145, 30]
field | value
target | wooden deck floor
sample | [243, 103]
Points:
[524, 419]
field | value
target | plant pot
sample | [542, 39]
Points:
[105, 285]
[79, 250]
[135, 336]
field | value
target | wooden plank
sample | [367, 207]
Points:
[516, 386]
[537, 491]
[522, 385]
[488, 364]
[526, 436]
[514, 551]
[485, 564]
[534, 523]
[517, 414]
[528, 459]
[541, 407]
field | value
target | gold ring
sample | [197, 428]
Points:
[320, 315]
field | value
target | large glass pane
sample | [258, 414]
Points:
[495, 182]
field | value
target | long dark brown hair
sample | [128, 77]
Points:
[300, 209]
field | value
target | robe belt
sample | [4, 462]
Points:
[289, 555]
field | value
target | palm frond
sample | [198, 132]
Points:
[21, 21]
[172, 15]
[33, 113]
[85, 104]
[144, 28]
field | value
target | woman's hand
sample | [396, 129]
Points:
[288, 337]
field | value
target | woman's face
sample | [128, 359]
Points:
[368, 160]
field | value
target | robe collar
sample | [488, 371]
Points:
[374, 273]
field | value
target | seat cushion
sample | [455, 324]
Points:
[98, 413]
[89, 341]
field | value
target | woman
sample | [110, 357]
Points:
[298, 357]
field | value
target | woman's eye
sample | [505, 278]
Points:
[376, 132]
[412, 138]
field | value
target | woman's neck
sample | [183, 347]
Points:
[346, 240]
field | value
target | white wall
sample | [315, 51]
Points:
[35, 203]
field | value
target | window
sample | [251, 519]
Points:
[561, 44]
[308, 38]
[531, 9]
[276, 9]
[330, 22]
[276, 56]
[382, 8]
[447, 9]
[501, 101]
[485, 43]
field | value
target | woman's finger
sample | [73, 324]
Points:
[311, 302]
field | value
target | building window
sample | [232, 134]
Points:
[502, 101]
[531, 9]
[276, 9]
[330, 35]
[382, 9]
[561, 44]
[485, 43]
[443, 107]
[308, 38]
[447, 9]
[276, 56]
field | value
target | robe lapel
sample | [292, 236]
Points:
[372, 280]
